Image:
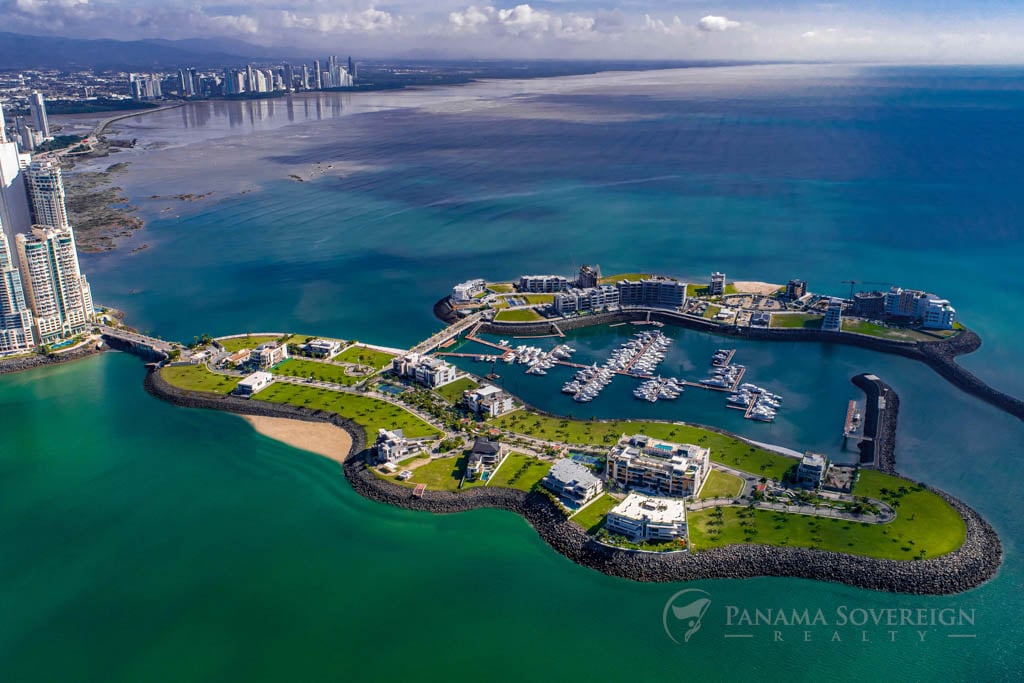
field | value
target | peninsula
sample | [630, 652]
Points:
[642, 499]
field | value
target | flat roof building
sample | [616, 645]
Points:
[653, 291]
[811, 469]
[833, 321]
[658, 467]
[323, 348]
[573, 481]
[392, 446]
[253, 384]
[488, 401]
[484, 457]
[717, 286]
[269, 354]
[543, 284]
[645, 518]
[465, 291]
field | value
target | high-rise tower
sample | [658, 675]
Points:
[46, 192]
[16, 334]
[38, 108]
[55, 289]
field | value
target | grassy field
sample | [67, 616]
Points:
[631, 277]
[198, 378]
[363, 356]
[593, 515]
[895, 333]
[925, 525]
[453, 392]
[297, 367]
[371, 413]
[519, 315]
[809, 321]
[443, 474]
[721, 485]
[711, 311]
[724, 449]
[537, 298]
[500, 287]
[249, 342]
[521, 472]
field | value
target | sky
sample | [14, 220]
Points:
[943, 31]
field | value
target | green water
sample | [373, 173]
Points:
[145, 542]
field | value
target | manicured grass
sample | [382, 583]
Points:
[198, 378]
[592, 517]
[443, 474]
[521, 472]
[631, 277]
[699, 290]
[326, 372]
[371, 413]
[519, 315]
[876, 330]
[453, 392]
[537, 298]
[721, 485]
[250, 342]
[724, 449]
[809, 321]
[364, 356]
[711, 311]
[500, 287]
[925, 525]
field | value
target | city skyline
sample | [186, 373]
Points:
[911, 30]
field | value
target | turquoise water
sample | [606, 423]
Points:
[149, 542]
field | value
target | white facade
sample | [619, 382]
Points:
[488, 401]
[569, 479]
[939, 315]
[270, 354]
[392, 446]
[661, 467]
[833, 316]
[465, 291]
[643, 518]
[323, 348]
[811, 469]
[717, 287]
[254, 383]
[543, 284]
[16, 335]
[15, 215]
[426, 370]
[38, 108]
[592, 299]
[46, 191]
[55, 289]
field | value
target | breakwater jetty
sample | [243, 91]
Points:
[976, 561]
[35, 360]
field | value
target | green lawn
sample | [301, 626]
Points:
[519, 315]
[198, 378]
[326, 372]
[876, 330]
[520, 471]
[592, 517]
[721, 485]
[443, 474]
[500, 287]
[453, 392]
[724, 449]
[711, 311]
[248, 342]
[537, 298]
[364, 356]
[371, 413]
[699, 290]
[631, 277]
[797, 320]
[925, 525]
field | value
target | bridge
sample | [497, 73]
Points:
[133, 342]
[438, 339]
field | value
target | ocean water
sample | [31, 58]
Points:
[157, 543]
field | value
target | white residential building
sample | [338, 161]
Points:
[15, 215]
[488, 401]
[573, 481]
[254, 383]
[654, 291]
[323, 348]
[644, 518]
[484, 457]
[465, 291]
[592, 299]
[55, 289]
[938, 315]
[46, 191]
[426, 370]
[913, 304]
[543, 284]
[659, 467]
[392, 446]
[811, 469]
[270, 354]
[833, 321]
[16, 335]
[37, 106]
[717, 286]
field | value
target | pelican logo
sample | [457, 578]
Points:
[684, 611]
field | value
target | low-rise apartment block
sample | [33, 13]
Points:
[811, 470]
[488, 401]
[465, 291]
[573, 481]
[268, 355]
[322, 348]
[644, 518]
[543, 284]
[658, 467]
[426, 370]
[253, 384]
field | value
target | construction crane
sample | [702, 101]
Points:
[863, 282]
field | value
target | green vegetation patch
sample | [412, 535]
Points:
[725, 449]
[631, 277]
[591, 518]
[721, 485]
[521, 472]
[894, 333]
[198, 378]
[442, 474]
[371, 413]
[711, 311]
[808, 321]
[364, 356]
[519, 315]
[453, 392]
[500, 287]
[247, 342]
[325, 372]
[925, 525]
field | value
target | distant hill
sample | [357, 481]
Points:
[18, 51]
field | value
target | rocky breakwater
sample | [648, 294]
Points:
[30, 362]
[941, 357]
[881, 413]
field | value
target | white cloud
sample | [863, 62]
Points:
[712, 23]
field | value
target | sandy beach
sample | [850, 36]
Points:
[316, 437]
[748, 287]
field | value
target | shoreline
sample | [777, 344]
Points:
[9, 366]
[975, 562]
[319, 438]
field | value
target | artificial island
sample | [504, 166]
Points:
[646, 500]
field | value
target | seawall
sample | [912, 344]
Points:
[11, 365]
[976, 561]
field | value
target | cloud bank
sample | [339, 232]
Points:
[639, 29]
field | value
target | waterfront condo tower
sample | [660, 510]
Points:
[38, 109]
[46, 192]
[55, 288]
[16, 334]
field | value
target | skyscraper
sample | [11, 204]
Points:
[38, 108]
[26, 134]
[16, 334]
[46, 193]
[3, 126]
[55, 289]
[15, 215]
[317, 78]
[305, 77]
[352, 69]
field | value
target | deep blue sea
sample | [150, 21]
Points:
[881, 174]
